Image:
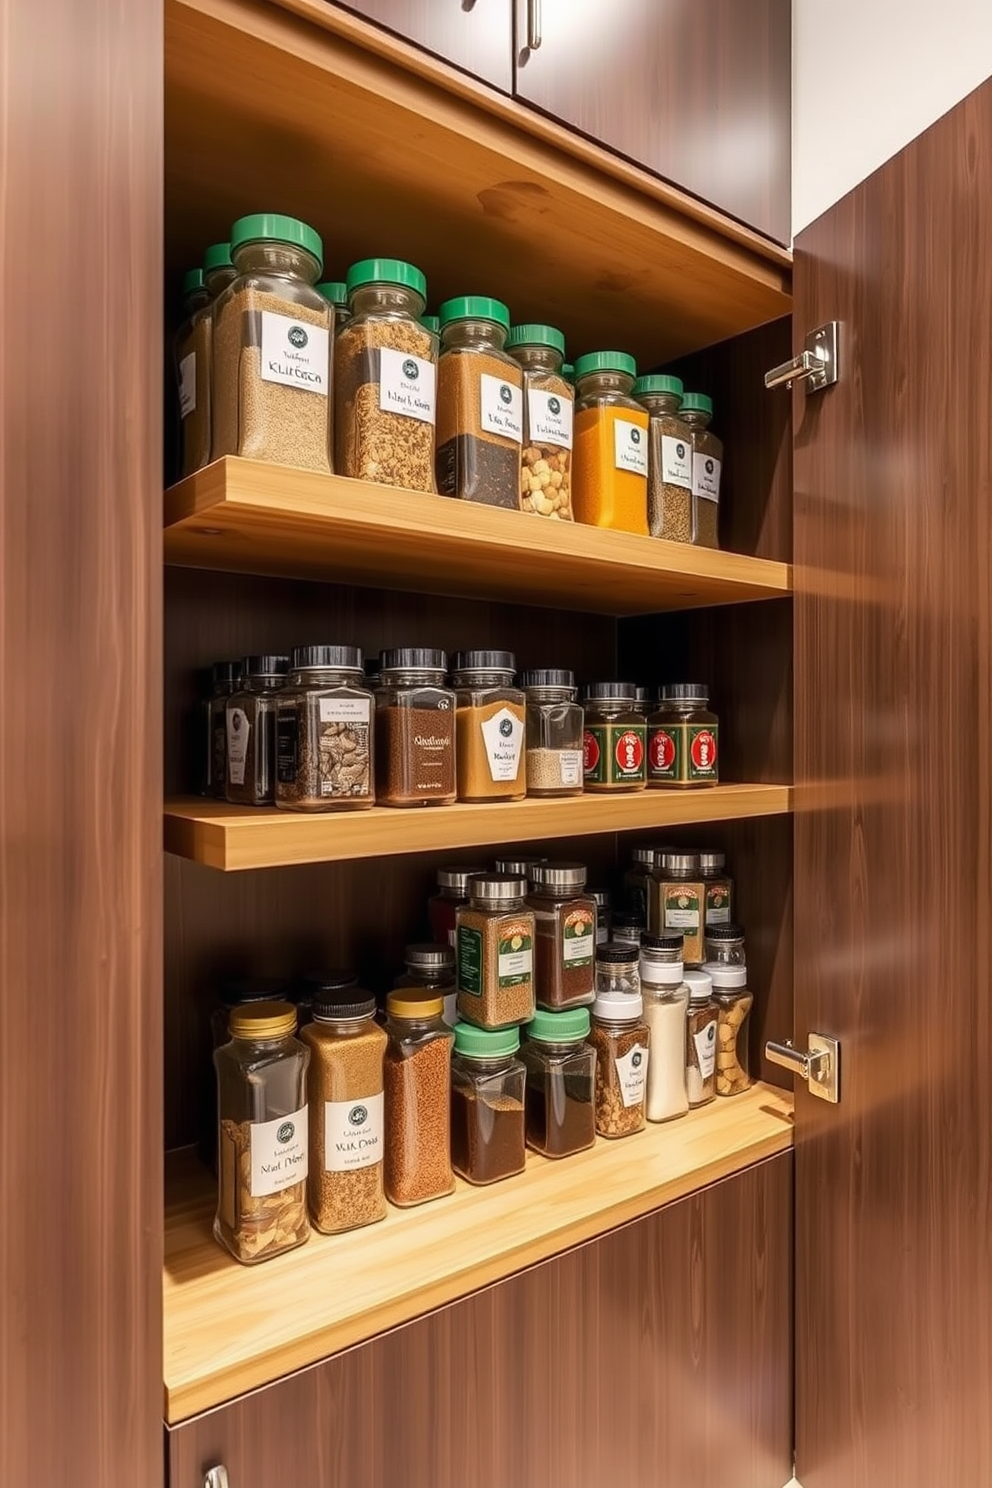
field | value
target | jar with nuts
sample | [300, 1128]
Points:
[671, 511]
[546, 467]
[727, 970]
[324, 732]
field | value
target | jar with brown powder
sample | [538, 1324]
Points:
[479, 405]
[414, 730]
[418, 1098]
[565, 925]
[490, 727]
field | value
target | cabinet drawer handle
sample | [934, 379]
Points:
[216, 1477]
[534, 37]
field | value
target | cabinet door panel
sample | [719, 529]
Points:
[476, 35]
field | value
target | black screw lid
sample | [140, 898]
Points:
[372, 667]
[339, 658]
[225, 671]
[623, 692]
[661, 942]
[312, 982]
[240, 990]
[617, 955]
[265, 666]
[330, 1003]
[483, 661]
[413, 658]
[685, 692]
[629, 918]
[550, 677]
[724, 932]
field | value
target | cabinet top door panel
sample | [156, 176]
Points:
[476, 35]
[698, 91]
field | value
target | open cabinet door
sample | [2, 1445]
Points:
[893, 832]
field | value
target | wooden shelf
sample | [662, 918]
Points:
[230, 1328]
[249, 517]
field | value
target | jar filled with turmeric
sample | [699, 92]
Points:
[479, 404]
[610, 478]
[489, 727]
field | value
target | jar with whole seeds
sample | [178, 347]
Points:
[554, 733]
[273, 343]
[701, 1039]
[677, 903]
[495, 952]
[347, 1111]
[666, 1001]
[324, 732]
[490, 729]
[561, 1083]
[336, 293]
[251, 731]
[417, 1074]
[727, 969]
[430, 968]
[622, 1043]
[719, 888]
[617, 971]
[565, 930]
[192, 359]
[707, 465]
[610, 485]
[263, 1134]
[414, 730]
[479, 404]
[487, 1104]
[671, 509]
[386, 371]
[225, 679]
[614, 738]
[627, 926]
[442, 907]
[683, 738]
[603, 902]
[546, 465]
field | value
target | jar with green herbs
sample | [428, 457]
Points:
[192, 358]
[707, 465]
[546, 466]
[251, 731]
[671, 512]
[479, 404]
[614, 738]
[683, 739]
[490, 727]
[495, 952]
[324, 732]
[554, 733]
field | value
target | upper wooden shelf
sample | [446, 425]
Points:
[230, 1328]
[250, 517]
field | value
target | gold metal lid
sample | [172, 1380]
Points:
[262, 1020]
[411, 1002]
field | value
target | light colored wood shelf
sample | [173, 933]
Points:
[230, 1328]
[249, 517]
[233, 837]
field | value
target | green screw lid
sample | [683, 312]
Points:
[485, 1043]
[605, 361]
[657, 383]
[535, 335]
[697, 403]
[570, 1026]
[568, 372]
[192, 281]
[386, 271]
[474, 307]
[334, 291]
[217, 256]
[273, 225]
[431, 323]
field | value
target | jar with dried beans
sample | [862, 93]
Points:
[727, 969]
[324, 732]
[546, 466]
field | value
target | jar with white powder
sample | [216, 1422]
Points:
[666, 999]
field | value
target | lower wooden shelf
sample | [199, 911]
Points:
[230, 1328]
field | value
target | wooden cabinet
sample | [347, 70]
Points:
[476, 35]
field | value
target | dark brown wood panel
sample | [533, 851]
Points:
[893, 935]
[80, 744]
[476, 35]
[659, 1354]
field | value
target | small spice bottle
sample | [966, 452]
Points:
[487, 1104]
[719, 888]
[385, 378]
[627, 927]
[263, 1134]
[495, 952]
[683, 738]
[622, 1043]
[701, 1037]
[561, 1083]
[636, 877]
[676, 903]
[707, 463]
[431, 969]
[610, 484]
[479, 404]
[273, 342]
[554, 733]
[546, 466]
[251, 731]
[192, 359]
[418, 1098]
[414, 730]
[671, 510]
[490, 727]
[336, 294]
[346, 1111]
[452, 884]
[617, 969]
[225, 678]
[726, 967]
[604, 902]
[324, 732]
[565, 926]
[666, 1001]
[614, 739]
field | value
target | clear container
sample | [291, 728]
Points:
[495, 952]
[273, 344]
[324, 732]
[225, 679]
[487, 1104]
[683, 738]
[479, 405]
[622, 1043]
[677, 903]
[490, 727]
[610, 485]
[707, 464]
[236, 992]
[719, 888]
[671, 509]
[603, 901]
[561, 1083]
[554, 733]
[727, 969]
[251, 731]
[442, 907]
[192, 365]
[627, 927]
[565, 945]
[431, 968]
[263, 1125]
[666, 1001]
[417, 1075]
[546, 465]
[636, 877]
[414, 730]
[617, 969]
[335, 292]
[614, 739]
[701, 1039]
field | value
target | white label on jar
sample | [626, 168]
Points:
[706, 476]
[353, 1134]
[187, 384]
[632, 1074]
[630, 447]
[682, 919]
[676, 461]
[406, 385]
[579, 948]
[278, 1153]
[503, 735]
[344, 710]
[549, 419]
[515, 963]
[705, 1042]
[570, 761]
[294, 353]
[501, 408]
[719, 916]
[238, 729]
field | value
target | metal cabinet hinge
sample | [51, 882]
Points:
[815, 366]
[820, 1067]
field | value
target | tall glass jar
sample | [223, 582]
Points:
[452, 884]
[701, 1039]
[192, 361]
[335, 292]
[418, 1098]
[565, 924]
[431, 969]
[546, 467]
[495, 952]
[727, 969]
[707, 464]
[676, 903]
[490, 727]
[273, 342]
[324, 732]
[671, 512]
[561, 1083]
[263, 1134]
[225, 678]
[479, 404]
[617, 971]
[487, 1104]
[236, 992]
[719, 888]
[614, 739]
[414, 730]
[554, 733]
[610, 486]
[683, 738]
[251, 731]
[622, 1042]
[666, 1001]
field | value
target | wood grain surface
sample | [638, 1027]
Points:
[476, 35]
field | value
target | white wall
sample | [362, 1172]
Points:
[869, 76]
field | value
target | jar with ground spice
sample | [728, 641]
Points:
[671, 510]
[554, 733]
[614, 738]
[414, 730]
[495, 952]
[263, 1133]
[490, 729]
[431, 968]
[561, 1083]
[603, 902]
[336, 294]
[324, 732]
[726, 967]
[347, 1109]
[666, 1001]
[251, 731]
[700, 1040]
[192, 357]
[442, 907]
[707, 464]
[225, 679]
[273, 341]
[719, 889]
[622, 1043]
[677, 903]
[683, 738]
[627, 927]
[487, 1104]
[610, 483]
[546, 465]
[418, 1098]
[565, 945]
[479, 405]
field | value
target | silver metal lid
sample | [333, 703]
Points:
[645, 855]
[520, 867]
[497, 886]
[559, 875]
[684, 692]
[434, 957]
[679, 862]
[456, 877]
[602, 897]
[712, 860]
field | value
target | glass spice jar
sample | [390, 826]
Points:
[324, 732]
[614, 739]
[671, 510]
[554, 723]
[417, 1075]
[414, 730]
[701, 1037]
[727, 969]
[236, 992]
[603, 902]
[622, 1043]
[719, 888]
[336, 294]
[565, 928]
[495, 952]
[519, 867]
[683, 738]
[546, 465]
[225, 677]
[192, 363]
[487, 1104]
[666, 1001]
[676, 902]
[263, 1134]
[442, 907]
[627, 927]
[707, 464]
[490, 728]
[251, 731]
[610, 484]
[617, 969]
[479, 404]
[561, 1083]
[636, 877]
[431, 969]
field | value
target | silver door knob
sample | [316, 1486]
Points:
[819, 1066]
